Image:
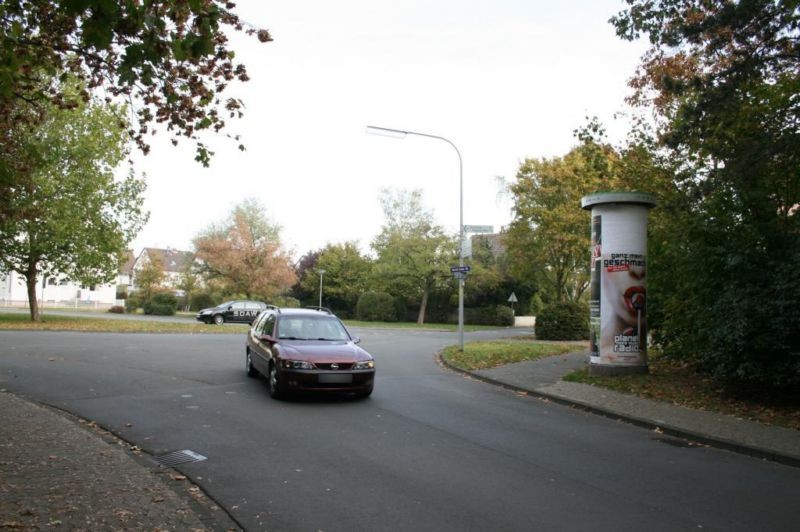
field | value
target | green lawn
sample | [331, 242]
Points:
[493, 353]
[56, 322]
[408, 325]
[53, 322]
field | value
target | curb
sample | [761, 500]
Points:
[669, 430]
[147, 461]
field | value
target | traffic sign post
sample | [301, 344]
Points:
[478, 229]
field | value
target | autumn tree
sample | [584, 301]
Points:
[149, 279]
[171, 57]
[548, 238]
[71, 216]
[723, 78]
[413, 253]
[245, 255]
[346, 275]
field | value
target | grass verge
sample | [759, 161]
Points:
[678, 383]
[409, 325]
[88, 324]
[493, 353]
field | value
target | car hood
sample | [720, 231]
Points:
[318, 351]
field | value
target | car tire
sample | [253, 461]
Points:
[251, 369]
[219, 319]
[273, 382]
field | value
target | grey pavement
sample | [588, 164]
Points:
[57, 471]
[543, 378]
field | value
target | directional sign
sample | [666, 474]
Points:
[478, 229]
[459, 269]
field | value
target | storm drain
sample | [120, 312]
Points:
[179, 457]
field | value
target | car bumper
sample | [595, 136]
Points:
[327, 381]
[204, 318]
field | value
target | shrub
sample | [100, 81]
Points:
[376, 306]
[493, 315]
[286, 301]
[161, 304]
[133, 303]
[563, 321]
[117, 309]
[202, 300]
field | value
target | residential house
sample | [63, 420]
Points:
[174, 262]
[56, 291]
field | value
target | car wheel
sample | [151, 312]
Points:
[273, 382]
[251, 369]
[219, 319]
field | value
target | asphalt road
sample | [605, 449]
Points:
[430, 450]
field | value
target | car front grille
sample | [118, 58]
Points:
[340, 366]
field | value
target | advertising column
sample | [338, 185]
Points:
[618, 298]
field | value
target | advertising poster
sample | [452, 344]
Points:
[595, 286]
[623, 308]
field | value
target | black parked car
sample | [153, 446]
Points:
[232, 311]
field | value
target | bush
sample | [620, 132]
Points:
[495, 315]
[202, 300]
[286, 302]
[563, 321]
[376, 306]
[117, 309]
[133, 303]
[161, 304]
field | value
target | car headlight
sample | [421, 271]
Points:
[364, 364]
[297, 364]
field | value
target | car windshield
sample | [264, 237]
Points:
[311, 328]
[227, 303]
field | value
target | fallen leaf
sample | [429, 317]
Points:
[178, 477]
[129, 425]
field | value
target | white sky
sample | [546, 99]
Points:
[503, 79]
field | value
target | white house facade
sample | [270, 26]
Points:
[56, 292]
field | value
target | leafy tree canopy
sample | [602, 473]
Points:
[72, 217]
[245, 255]
[171, 57]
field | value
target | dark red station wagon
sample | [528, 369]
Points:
[307, 350]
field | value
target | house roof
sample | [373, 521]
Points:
[173, 260]
[127, 262]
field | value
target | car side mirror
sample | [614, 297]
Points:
[230, 307]
[356, 339]
[267, 338]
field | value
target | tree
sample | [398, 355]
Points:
[305, 266]
[188, 282]
[149, 279]
[170, 56]
[346, 275]
[723, 78]
[72, 217]
[414, 254]
[548, 238]
[244, 253]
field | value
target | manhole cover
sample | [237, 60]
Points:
[179, 457]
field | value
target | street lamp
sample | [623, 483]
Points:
[321, 273]
[401, 134]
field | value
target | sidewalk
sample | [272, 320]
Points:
[543, 378]
[62, 472]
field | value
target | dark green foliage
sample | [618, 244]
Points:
[501, 315]
[161, 304]
[133, 302]
[376, 306]
[285, 301]
[723, 268]
[564, 320]
[202, 300]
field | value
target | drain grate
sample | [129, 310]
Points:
[179, 457]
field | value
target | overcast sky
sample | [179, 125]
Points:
[504, 80]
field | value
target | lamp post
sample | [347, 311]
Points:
[401, 134]
[321, 273]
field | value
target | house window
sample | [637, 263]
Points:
[51, 281]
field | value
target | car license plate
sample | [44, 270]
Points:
[334, 378]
